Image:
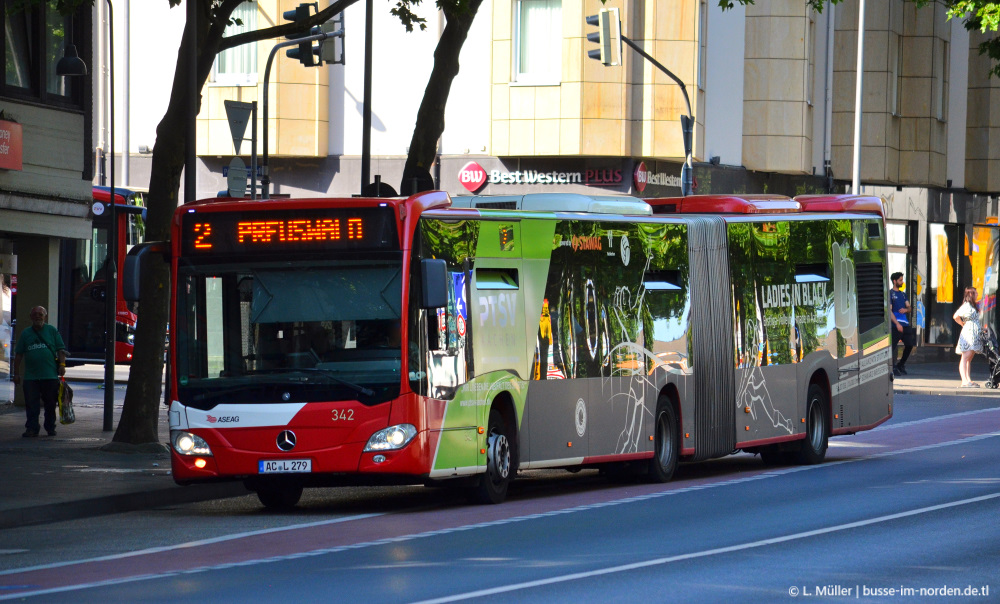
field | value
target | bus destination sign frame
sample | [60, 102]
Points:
[257, 233]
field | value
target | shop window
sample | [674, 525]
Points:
[238, 66]
[983, 257]
[35, 38]
[538, 41]
[943, 291]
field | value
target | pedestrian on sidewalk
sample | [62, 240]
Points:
[901, 330]
[44, 354]
[970, 339]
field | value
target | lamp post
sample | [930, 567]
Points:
[68, 66]
[111, 264]
[856, 158]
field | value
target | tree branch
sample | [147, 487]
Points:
[288, 28]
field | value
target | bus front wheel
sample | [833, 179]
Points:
[665, 436]
[279, 497]
[493, 484]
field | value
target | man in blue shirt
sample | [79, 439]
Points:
[901, 330]
[44, 354]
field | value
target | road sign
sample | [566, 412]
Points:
[238, 114]
[237, 178]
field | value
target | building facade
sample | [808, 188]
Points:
[45, 165]
[771, 90]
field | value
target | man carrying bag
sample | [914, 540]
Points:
[44, 354]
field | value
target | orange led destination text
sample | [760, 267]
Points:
[289, 231]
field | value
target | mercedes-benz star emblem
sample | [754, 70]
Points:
[286, 440]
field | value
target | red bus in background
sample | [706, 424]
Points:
[82, 281]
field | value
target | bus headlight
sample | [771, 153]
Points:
[393, 437]
[186, 443]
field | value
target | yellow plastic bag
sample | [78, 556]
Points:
[66, 413]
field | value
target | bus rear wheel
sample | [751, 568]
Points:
[279, 497]
[813, 449]
[665, 437]
[493, 484]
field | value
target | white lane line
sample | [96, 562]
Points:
[705, 553]
[932, 419]
[190, 544]
[447, 531]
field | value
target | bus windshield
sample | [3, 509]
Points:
[270, 334]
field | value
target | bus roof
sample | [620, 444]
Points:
[556, 202]
[121, 193]
[725, 204]
[842, 203]
[766, 204]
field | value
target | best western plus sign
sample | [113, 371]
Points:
[473, 177]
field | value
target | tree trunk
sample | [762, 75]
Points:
[140, 412]
[430, 116]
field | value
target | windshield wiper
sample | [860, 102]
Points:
[325, 372]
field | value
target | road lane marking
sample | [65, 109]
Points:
[705, 553]
[189, 544]
[446, 531]
[925, 420]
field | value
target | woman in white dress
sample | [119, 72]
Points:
[970, 339]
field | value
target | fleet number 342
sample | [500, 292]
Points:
[343, 415]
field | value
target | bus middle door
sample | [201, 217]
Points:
[845, 390]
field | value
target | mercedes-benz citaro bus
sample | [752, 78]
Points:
[319, 342]
[83, 280]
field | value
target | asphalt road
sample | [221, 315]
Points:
[912, 505]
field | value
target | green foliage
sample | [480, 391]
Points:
[817, 5]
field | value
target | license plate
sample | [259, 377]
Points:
[284, 466]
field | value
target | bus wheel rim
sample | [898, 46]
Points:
[499, 458]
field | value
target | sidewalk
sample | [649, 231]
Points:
[67, 476]
[49, 479]
[942, 379]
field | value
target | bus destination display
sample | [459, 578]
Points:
[224, 233]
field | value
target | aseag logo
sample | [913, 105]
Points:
[472, 176]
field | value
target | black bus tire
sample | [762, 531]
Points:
[813, 449]
[493, 483]
[279, 497]
[665, 442]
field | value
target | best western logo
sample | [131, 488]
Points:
[642, 177]
[472, 176]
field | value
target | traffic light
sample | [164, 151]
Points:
[332, 48]
[608, 37]
[305, 53]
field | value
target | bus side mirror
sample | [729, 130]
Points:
[131, 272]
[434, 283]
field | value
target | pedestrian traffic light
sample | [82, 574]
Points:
[608, 37]
[306, 53]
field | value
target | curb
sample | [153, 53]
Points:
[977, 392]
[115, 504]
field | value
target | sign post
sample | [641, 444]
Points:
[238, 114]
[237, 178]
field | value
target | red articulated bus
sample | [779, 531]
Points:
[318, 342]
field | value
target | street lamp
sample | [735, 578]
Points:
[72, 65]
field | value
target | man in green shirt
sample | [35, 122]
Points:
[44, 356]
